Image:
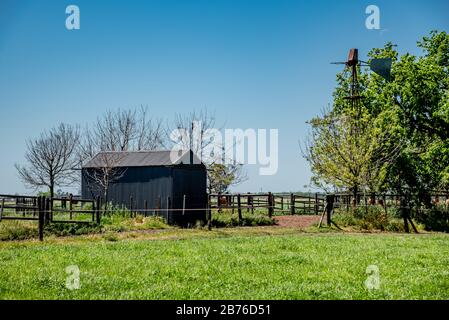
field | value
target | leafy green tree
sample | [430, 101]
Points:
[412, 110]
[419, 96]
[222, 176]
[350, 151]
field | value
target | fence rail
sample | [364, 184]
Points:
[280, 204]
[46, 210]
[75, 210]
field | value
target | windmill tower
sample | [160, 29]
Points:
[381, 66]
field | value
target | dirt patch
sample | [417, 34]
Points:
[296, 221]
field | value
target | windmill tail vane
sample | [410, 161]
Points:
[380, 66]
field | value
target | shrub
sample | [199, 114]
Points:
[370, 218]
[435, 219]
[68, 229]
[17, 230]
[225, 219]
[110, 236]
[121, 223]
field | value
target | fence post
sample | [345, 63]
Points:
[183, 204]
[34, 205]
[348, 200]
[317, 209]
[71, 206]
[292, 204]
[22, 200]
[270, 204]
[145, 207]
[41, 206]
[252, 204]
[168, 207]
[98, 208]
[329, 207]
[47, 209]
[131, 206]
[209, 213]
[1, 209]
[219, 202]
[239, 208]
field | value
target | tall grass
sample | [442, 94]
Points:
[369, 218]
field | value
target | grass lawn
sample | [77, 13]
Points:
[241, 263]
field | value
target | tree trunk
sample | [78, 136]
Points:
[106, 195]
[355, 200]
[52, 187]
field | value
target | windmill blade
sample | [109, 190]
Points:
[382, 67]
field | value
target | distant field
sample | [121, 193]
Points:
[243, 263]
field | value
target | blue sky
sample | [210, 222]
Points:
[256, 64]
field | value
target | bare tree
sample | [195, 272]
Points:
[222, 173]
[150, 134]
[105, 169]
[123, 130]
[51, 159]
[195, 125]
[116, 131]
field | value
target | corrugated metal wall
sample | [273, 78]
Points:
[162, 187]
[190, 181]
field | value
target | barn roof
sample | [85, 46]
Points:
[141, 159]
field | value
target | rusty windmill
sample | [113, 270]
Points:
[380, 66]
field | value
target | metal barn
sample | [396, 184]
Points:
[172, 181]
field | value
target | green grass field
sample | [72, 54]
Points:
[241, 263]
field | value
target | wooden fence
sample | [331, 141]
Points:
[272, 204]
[46, 210]
[389, 200]
[71, 209]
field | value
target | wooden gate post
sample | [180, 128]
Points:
[209, 213]
[47, 206]
[71, 206]
[330, 198]
[1, 209]
[239, 208]
[252, 203]
[41, 208]
[168, 207]
[34, 205]
[183, 204]
[97, 209]
[145, 207]
[270, 204]
[292, 204]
